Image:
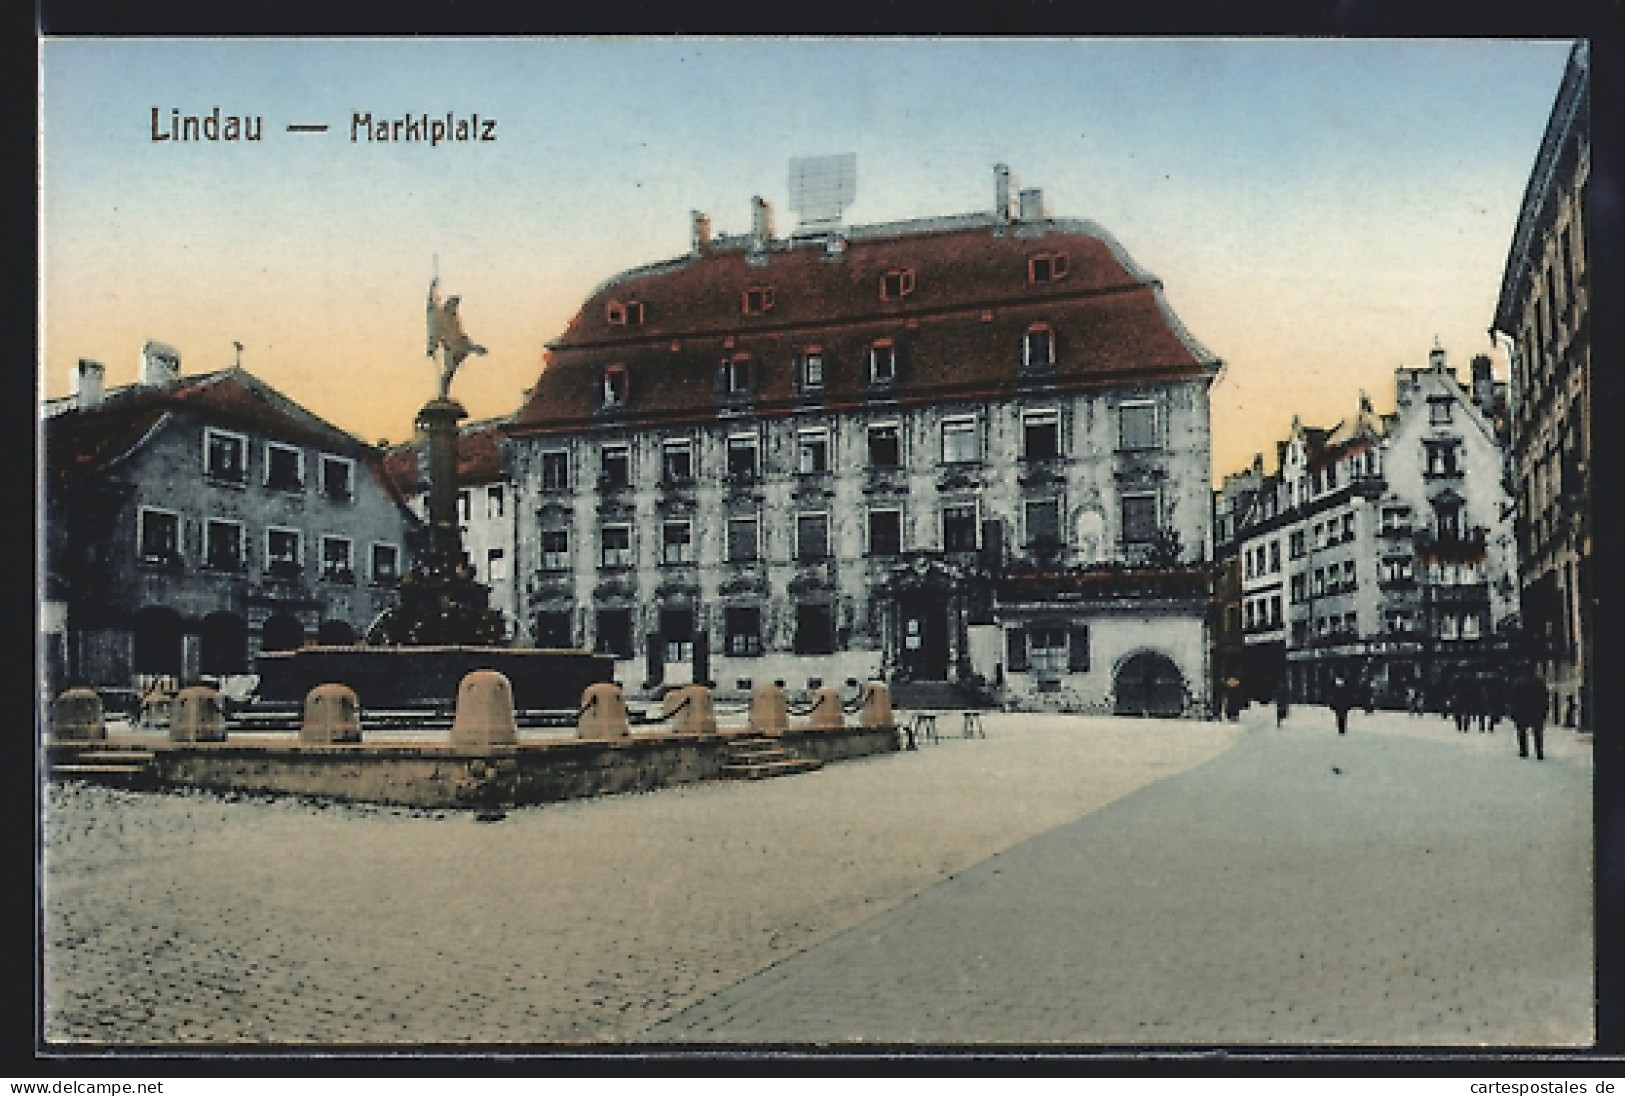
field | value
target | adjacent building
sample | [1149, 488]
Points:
[968, 449]
[1544, 315]
[192, 522]
[1381, 550]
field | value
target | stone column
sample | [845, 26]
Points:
[438, 420]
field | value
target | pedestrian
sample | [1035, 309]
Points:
[1283, 703]
[1528, 703]
[1342, 701]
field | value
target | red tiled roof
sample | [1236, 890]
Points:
[959, 332]
[479, 460]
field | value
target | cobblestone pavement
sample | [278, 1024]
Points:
[197, 919]
[1402, 884]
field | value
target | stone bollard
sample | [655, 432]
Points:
[197, 716]
[77, 716]
[876, 705]
[331, 715]
[603, 712]
[826, 711]
[769, 713]
[484, 711]
[692, 708]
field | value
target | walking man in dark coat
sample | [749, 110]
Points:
[1529, 713]
[1342, 701]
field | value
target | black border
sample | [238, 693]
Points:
[1600, 21]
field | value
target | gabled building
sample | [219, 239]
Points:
[1544, 314]
[927, 449]
[192, 522]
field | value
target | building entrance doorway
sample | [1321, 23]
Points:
[1150, 684]
[922, 636]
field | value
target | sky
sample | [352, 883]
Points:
[1319, 211]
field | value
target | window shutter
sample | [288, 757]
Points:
[1016, 651]
[1077, 658]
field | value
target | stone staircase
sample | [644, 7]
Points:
[123, 766]
[757, 756]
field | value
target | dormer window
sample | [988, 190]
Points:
[810, 369]
[896, 284]
[882, 362]
[615, 386]
[1038, 347]
[736, 375]
[1049, 266]
[757, 300]
[624, 313]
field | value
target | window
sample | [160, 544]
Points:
[386, 566]
[1441, 458]
[338, 478]
[883, 362]
[1350, 582]
[336, 560]
[677, 542]
[1275, 557]
[1041, 435]
[1448, 518]
[496, 565]
[1296, 542]
[1043, 523]
[815, 630]
[160, 536]
[1137, 425]
[742, 630]
[742, 457]
[1396, 519]
[1299, 584]
[616, 465]
[465, 507]
[616, 386]
[895, 284]
[960, 442]
[1439, 410]
[284, 467]
[1038, 347]
[1348, 526]
[614, 632]
[1320, 582]
[736, 375]
[556, 471]
[812, 536]
[885, 532]
[757, 300]
[1077, 659]
[810, 371]
[812, 451]
[742, 540]
[1139, 519]
[959, 529]
[1046, 645]
[624, 313]
[494, 501]
[225, 456]
[617, 545]
[555, 549]
[553, 629]
[223, 545]
[677, 633]
[282, 553]
[885, 446]
[678, 465]
[1015, 650]
[1049, 266]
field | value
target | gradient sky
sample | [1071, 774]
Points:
[1319, 211]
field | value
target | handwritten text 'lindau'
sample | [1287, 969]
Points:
[420, 128]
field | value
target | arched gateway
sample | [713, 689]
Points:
[1149, 684]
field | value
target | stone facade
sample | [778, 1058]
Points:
[808, 460]
[192, 522]
[1544, 313]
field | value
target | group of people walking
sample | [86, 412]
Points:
[1470, 701]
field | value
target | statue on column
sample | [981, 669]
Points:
[446, 334]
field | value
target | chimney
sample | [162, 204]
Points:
[1032, 204]
[89, 383]
[761, 223]
[702, 233]
[160, 365]
[1004, 185]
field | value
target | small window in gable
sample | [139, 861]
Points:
[882, 362]
[736, 375]
[757, 300]
[1038, 347]
[624, 313]
[896, 284]
[810, 372]
[615, 386]
[1049, 266]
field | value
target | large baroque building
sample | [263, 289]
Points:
[970, 449]
[191, 522]
[1544, 314]
[1380, 550]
